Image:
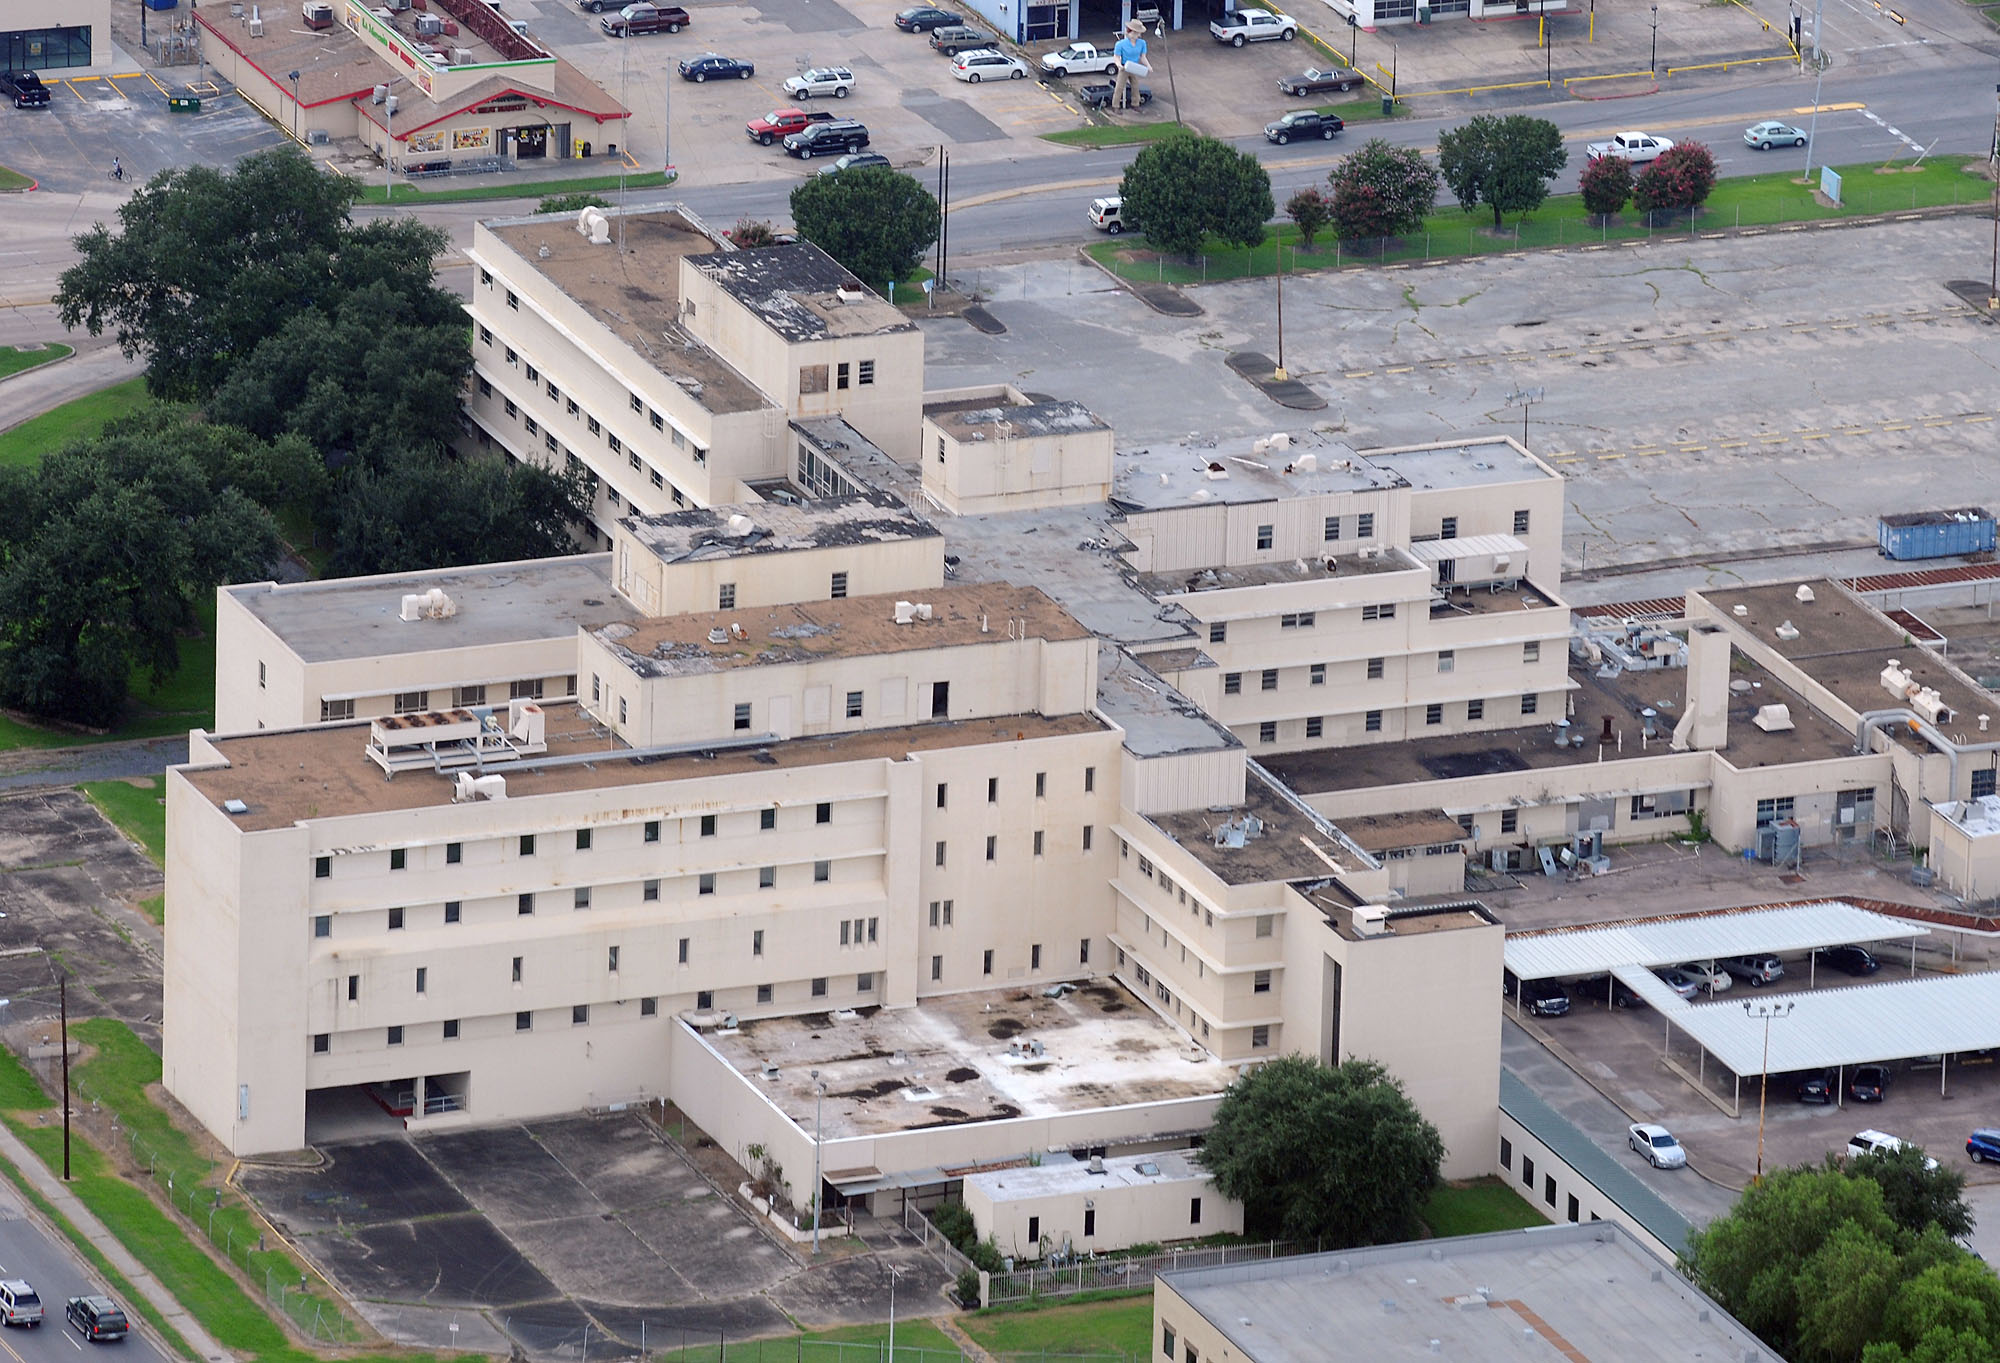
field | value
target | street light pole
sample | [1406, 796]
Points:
[1173, 91]
[894, 1273]
[294, 78]
[819, 1092]
[1764, 1011]
[1655, 63]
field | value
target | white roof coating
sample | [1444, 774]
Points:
[1472, 546]
[1562, 952]
[1978, 818]
[1057, 1175]
[1851, 1025]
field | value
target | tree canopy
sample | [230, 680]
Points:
[1186, 188]
[1681, 177]
[1816, 1262]
[109, 545]
[1606, 185]
[1382, 191]
[1314, 1152]
[1505, 162]
[876, 221]
[434, 512]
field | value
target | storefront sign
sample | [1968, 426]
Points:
[471, 139]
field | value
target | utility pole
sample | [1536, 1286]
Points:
[1654, 64]
[1819, 67]
[1764, 1011]
[819, 1092]
[1993, 163]
[62, 994]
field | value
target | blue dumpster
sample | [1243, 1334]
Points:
[1936, 534]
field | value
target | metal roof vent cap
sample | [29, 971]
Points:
[718, 635]
[1787, 631]
[1803, 595]
[235, 807]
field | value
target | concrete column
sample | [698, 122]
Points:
[1704, 723]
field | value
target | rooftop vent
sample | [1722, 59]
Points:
[1787, 631]
[718, 635]
[593, 223]
[1773, 719]
[770, 1070]
[1371, 920]
[430, 605]
[1096, 1164]
[1803, 595]
[468, 787]
[847, 295]
[1238, 832]
[740, 525]
[235, 807]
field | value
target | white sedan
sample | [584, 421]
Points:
[985, 63]
[1713, 978]
[1657, 1144]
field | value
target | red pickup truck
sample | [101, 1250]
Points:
[780, 123]
[645, 18]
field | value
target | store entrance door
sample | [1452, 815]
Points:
[531, 144]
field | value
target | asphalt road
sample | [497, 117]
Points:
[25, 1252]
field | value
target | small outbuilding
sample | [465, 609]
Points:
[1068, 1207]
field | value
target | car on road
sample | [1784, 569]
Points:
[1542, 998]
[1872, 1142]
[1759, 970]
[923, 18]
[1108, 215]
[1080, 59]
[782, 123]
[25, 88]
[1636, 147]
[1304, 123]
[97, 1319]
[19, 1303]
[1657, 1144]
[827, 139]
[1851, 960]
[1771, 133]
[1816, 1086]
[1984, 1144]
[714, 66]
[1100, 96]
[1318, 82]
[952, 39]
[1253, 26]
[643, 18]
[821, 80]
[1870, 1084]
[987, 63]
[1713, 978]
[1607, 987]
[1682, 983]
[855, 160]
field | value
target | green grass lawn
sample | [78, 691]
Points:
[139, 809]
[1114, 134]
[1120, 1326]
[78, 420]
[506, 187]
[1742, 201]
[14, 359]
[917, 1341]
[1485, 1204]
[12, 181]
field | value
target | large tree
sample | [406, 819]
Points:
[108, 546]
[430, 511]
[876, 221]
[1382, 191]
[1314, 1152]
[1679, 178]
[1186, 188]
[1505, 162]
[1917, 1191]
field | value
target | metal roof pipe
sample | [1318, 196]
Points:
[1926, 730]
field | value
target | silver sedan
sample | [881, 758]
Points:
[1766, 135]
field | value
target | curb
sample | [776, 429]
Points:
[36, 368]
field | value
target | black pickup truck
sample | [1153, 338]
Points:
[827, 139]
[25, 88]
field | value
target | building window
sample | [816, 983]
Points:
[1529, 704]
[330, 710]
[516, 970]
[704, 999]
[1371, 722]
[708, 825]
[767, 819]
[940, 852]
[1315, 726]
[322, 868]
[1266, 924]
[1527, 1171]
[1983, 782]
[824, 814]
[854, 705]
[353, 988]
[395, 920]
[1218, 631]
[1089, 779]
[652, 830]
[1263, 537]
[612, 960]
[1447, 659]
[822, 872]
[1167, 1340]
[684, 951]
[1041, 785]
[524, 1022]
[1510, 820]
[840, 375]
[617, 445]
[531, 426]
[1317, 675]
[1448, 528]
[1035, 956]
[621, 709]
[1434, 714]
[1194, 1211]
[1774, 811]
[395, 1036]
[579, 1015]
[1475, 709]
[725, 597]
[1260, 1036]
[1268, 679]
[650, 1007]
[864, 372]
[937, 968]
[649, 891]
[992, 790]
[653, 419]
[812, 378]
[527, 844]
[1083, 951]
[1375, 669]
[412, 702]
[864, 983]
[583, 896]
[1332, 529]
[323, 925]
[839, 586]
[1260, 983]
[525, 904]
[705, 883]
[1232, 683]
[941, 789]
[1549, 1189]
[590, 424]
[1521, 528]
[986, 961]
[1038, 842]
[583, 839]
[322, 1043]
[1574, 1210]
[1385, 611]
[819, 986]
[452, 910]
[1297, 619]
[1364, 525]
[992, 847]
[513, 300]
[1506, 1153]
[1267, 732]
[763, 993]
[1531, 652]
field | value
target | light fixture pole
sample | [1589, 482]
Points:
[1655, 64]
[819, 1092]
[1173, 91]
[1764, 1012]
[894, 1273]
[293, 77]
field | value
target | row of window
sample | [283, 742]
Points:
[1260, 1034]
[1548, 1180]
[1371, 720]
[1364, 528]
[462, 697]
[450, 1028]
[986, 957]
[993, 787]
[1267, 678]
[859, 373]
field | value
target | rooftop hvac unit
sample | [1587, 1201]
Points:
[906, 612]
[317, 136]
[461, 56]
[593, 223]
[381, 93]
[468, 787]
[429, 26]
[525, 721]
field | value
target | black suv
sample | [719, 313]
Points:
[1816, 1086]
[97, 1318]
[1543, 998]
[827, 139]
[25, 88]
[1853, 960]
[1870, 1084]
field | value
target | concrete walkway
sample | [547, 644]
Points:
[59, 1195]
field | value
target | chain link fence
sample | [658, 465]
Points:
[799, 1350]
[1135, 1272]
[232, 1226]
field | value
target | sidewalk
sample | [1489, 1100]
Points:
[49, 1186]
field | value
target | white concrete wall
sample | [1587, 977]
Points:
[1154, 1212]
[873, 569]
[1016, 472]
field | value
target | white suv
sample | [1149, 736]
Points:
[1872, 1142]
[821, 80]
[987, 63]
[19, 1305]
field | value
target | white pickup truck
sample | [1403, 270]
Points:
[1081, 59]
[1634, 147]
[1252, 26]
